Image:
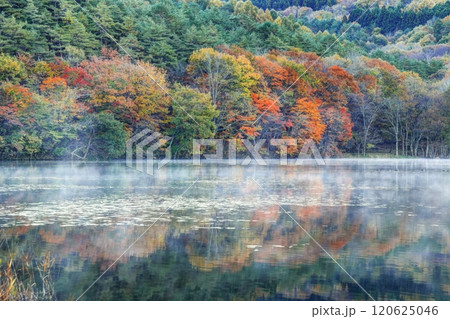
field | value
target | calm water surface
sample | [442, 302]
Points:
[229, 237]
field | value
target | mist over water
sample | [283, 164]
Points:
[229, 237]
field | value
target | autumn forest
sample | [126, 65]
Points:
[78, 78]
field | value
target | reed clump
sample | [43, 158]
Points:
[24, 278]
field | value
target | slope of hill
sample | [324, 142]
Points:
[77, 79]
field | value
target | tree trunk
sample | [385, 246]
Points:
[396, 144]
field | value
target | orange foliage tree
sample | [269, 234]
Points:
[134, 93]
[307, 120]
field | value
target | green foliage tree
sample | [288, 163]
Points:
[100, 137]
[192, 118]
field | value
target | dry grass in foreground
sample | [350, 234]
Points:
[26, 279]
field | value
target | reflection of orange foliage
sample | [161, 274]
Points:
[50, 237]
[14, 231]
[235, 256]
[234, 262]
[269, 236]
[308, 212]
[381, 244]
[338, 241]
[106, 245]
[270, 214]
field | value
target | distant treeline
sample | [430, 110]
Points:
[283, 4]
[391, 19]
[422, 67]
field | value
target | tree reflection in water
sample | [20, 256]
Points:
[387, 226]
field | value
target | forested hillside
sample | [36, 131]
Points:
[283, 4]
[77, 78]
[390, 19]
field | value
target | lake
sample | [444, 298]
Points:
[219, 232]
